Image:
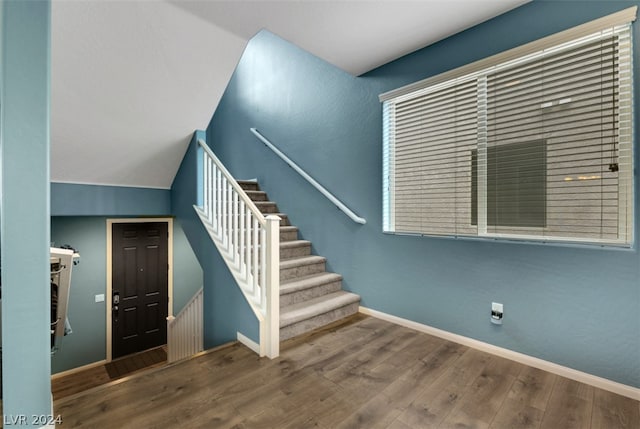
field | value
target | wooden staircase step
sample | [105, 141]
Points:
[301, 289]
[294, 249]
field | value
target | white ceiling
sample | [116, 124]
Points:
[131, 80]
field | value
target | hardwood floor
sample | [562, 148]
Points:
[363, 373]
[84, 380]
[129, 364]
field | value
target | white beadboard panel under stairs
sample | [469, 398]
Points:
[310, 297]
[185, 330]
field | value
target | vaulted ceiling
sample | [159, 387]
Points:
[131, 80]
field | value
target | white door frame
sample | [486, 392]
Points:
[110, 222]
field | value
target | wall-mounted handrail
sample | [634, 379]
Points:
[354, 217]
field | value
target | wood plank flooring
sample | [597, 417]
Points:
[84, 380]
[130, 364]
[362, 373]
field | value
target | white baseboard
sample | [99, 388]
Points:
[78, 369]
[583, 377]
[249, 343]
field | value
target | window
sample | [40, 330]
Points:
[516, 185]
[533, 144]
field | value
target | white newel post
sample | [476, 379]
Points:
[171, 341]
[272, 283]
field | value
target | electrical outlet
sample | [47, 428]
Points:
[497, 312]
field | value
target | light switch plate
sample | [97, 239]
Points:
[100, 297]
[497, 311]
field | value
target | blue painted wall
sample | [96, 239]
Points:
[69, 199]
[578, 307]
[225, 310]
[87, 343]
[88, 234]
[187, 273]
[24, 225]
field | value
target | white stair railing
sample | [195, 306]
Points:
[185, 330]
[249, 243]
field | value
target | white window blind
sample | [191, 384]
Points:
[538, 147]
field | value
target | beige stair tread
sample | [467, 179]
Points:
[306, 282]
[280, 215]
[298, 262]
[251, 194]
[248, 185]
[305, 310]
[294, 243]
[288, 233]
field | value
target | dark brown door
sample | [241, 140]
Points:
[139, 287]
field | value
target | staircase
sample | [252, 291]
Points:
[310, 297]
